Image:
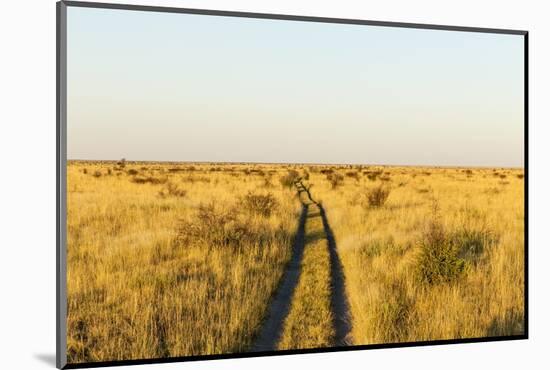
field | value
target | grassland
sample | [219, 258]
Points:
[167, 260]
[441, 258]
[173, 259]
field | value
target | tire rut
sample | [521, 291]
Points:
[271, 330]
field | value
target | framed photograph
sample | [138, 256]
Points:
[238, 184]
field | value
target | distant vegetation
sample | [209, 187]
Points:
[177, 259]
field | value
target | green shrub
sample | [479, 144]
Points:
[438, 260]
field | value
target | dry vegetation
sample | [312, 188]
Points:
[170, 259]
[430, 253]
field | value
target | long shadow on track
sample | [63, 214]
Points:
[272, 327]
[339, 300]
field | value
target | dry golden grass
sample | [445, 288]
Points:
[139, 286]
[480, 214]
[309, 322]
[172, 259]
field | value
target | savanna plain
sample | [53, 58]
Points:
[179, 259]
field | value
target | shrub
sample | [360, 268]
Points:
[267, 182]
[438, 260]
[261, 204]
[520, 176]
[109, 172]
[171, 189]
[97, 174]
[192, 179]
[335, 179]
[290, 178]
[471, 243]
[122, 163]
[85, 171]
[306, 175]
[378, 196]
[217, 228]
[132, 171]
[372, 175]
[148, 180]
[353, 175]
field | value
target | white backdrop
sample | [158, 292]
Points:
[27, 182]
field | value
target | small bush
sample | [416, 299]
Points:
[172, 190]
[438, 260]
[372, 175]
[335, 179]
[97, 174]
[215, 228]
[192, 179]
[471, 243]
[290, 178]
[520, 176]
[353, 175]
[109, 172]
[85, 171]
[267, 182]
[132, 172]
[121, 163]
[261, 204]
[148, 180]
[378, 196]
[502, 176]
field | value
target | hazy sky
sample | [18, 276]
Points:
[160, 86]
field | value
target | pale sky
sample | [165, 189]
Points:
[179, 87]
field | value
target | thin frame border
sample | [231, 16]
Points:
[61, 194]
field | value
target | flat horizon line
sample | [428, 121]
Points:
[292, 163]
